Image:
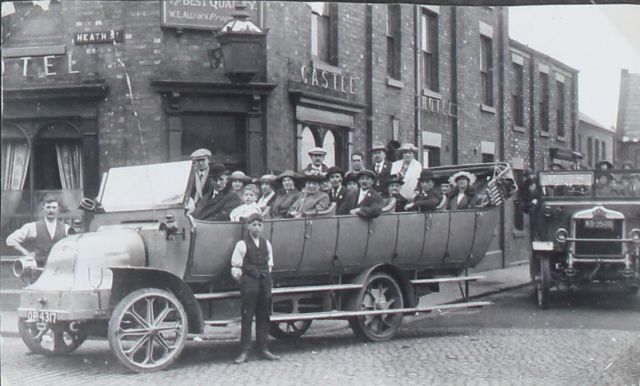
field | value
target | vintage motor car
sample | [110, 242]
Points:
[586, 231]
[148, 276]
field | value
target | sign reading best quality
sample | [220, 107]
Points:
[203, 14]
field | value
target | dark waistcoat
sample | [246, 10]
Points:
[44, 242]
[255, 262]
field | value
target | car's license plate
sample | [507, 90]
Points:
[599, 224]
[41, 316]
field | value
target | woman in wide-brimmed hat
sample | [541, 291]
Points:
[287, 195]
[238, 181]
[408, 168]
[312, 200]
[462, 197]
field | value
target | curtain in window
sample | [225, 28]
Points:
[15, 163]
[70, 165]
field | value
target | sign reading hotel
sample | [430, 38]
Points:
[438, 106]
[203, 14]
[327, 79]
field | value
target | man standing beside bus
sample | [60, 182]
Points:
[251, 264]
[43, 233]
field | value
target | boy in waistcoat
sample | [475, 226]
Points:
[251, 264]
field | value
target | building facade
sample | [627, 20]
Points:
[595, 142]
[93, 85]
[628, 125]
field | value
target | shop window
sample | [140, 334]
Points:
[332, 139]
[15, 158]
[57, 158]
[486, 69]
[224, 135]
[518, 95]
[429, 43]
[560, 108]
[430, 156]
[543, 104]
[393, 41]
[323, 32]
[590, 152]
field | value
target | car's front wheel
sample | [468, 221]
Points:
[543, 282]
[148, 330]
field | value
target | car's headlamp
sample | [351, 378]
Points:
[561, 235]
[634, 235]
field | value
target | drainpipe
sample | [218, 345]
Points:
[418, 81]
[454, 84]
[501, 116]
[368, 77]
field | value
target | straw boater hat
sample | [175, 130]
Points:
[334, 170]
[239, 176]
[406, 147]
[313, 175]
[317, 150]
[395, 179]
[366, 172]
[378, 146]
[201, 153]
[453, 180]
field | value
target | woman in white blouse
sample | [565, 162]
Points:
[408, 168]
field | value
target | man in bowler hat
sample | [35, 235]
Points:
[364, 202]
[217, 204]
[251, 265]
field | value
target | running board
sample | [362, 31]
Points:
[282, 291]
[447, 279]
[350, 314]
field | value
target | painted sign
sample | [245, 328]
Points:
[327, 79]
[98, 37]
[203, 14]
[438, 106]
[47, 65]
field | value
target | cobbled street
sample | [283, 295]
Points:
[583, 339]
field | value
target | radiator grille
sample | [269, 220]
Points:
[607, 229]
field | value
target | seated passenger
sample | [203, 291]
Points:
[268, 196]
[462, 197]
[394, 201]
[337, 193]
[249, 206]
[351, 181]
[605, 184]
[427, 198]
[238, 181]
[312, 200]
[364, 202]
[217, 204]
[287, 196]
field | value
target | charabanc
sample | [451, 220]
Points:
[148, 276]
[586, 231]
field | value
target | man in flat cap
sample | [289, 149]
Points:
[217, 204]
[202, 183]
[364, 202]
[317, 155]
[381, 166]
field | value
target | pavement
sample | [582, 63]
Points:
[494, 281]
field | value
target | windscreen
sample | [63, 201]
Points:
[145, 187]
[566, 184]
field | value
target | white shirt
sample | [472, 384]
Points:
[262, 202]
[244, 210]
[240, 250]
[361, 195]
[28, 232]
[378, 167]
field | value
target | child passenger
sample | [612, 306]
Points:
[249, 206]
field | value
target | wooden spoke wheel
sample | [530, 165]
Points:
[543, 282]
[50, 339]
[380, 292]
[289, 330]
[148, 330]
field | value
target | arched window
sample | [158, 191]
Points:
[329, 144]
[15, 157]
[307, 143]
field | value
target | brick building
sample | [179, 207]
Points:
[93, 85]
[628, 126]
[595, 141]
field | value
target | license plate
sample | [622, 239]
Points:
[599, 224]
[41, 316]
